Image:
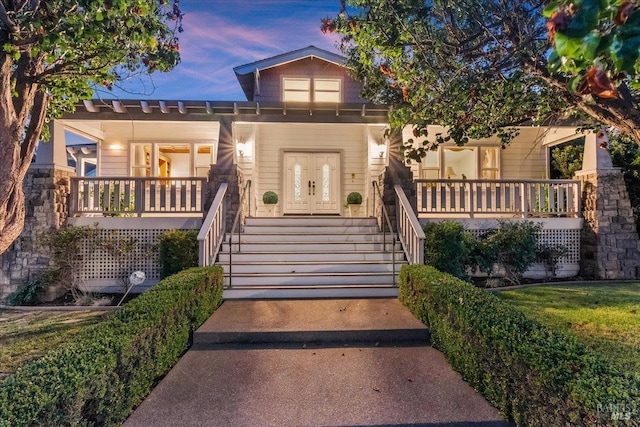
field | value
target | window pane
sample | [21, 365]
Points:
[290, 96]
[460, 163]
[296, 84]
[327, 96]
[297, 183]
[332, 85]
[325, 183]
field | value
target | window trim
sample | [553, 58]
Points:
[312, 88]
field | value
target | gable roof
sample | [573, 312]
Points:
[245, 73]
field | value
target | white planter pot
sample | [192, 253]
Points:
[354, 210]
[271, 210]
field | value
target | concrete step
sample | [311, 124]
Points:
[312, 247]
[297, 256]
[260, 267]
[330, 236]
[260, 292]
[285, 228]
[312, 221]
[372, 321]
[311, 279]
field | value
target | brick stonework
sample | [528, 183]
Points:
[46, 192]
[610, 248]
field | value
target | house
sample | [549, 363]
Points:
[305, 134]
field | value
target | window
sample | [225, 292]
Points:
[296, 90]
[171, 159]
[301, 90]
[461, 163]
[326, 90]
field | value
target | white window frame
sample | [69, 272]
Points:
[312, 92]
[441, 168]
[155, 154]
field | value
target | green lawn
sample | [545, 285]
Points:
[606, 318]
[26, 335]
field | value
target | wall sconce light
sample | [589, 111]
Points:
[382, 148]
[241, 146]
[115, 147]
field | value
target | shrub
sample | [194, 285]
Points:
[532, 375]
[354, 198]
[447, 247]
[513, 246]
[100, 377]
[31, 292]
[178, 250]
[269, 198]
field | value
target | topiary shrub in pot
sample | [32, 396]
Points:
[354, 200]
[270, 199]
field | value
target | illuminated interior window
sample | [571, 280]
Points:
[296, 90]
[431, 166]
[489, 165]
[326, 90]
[459, 163]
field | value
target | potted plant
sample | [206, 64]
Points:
[354, 200]
[270, 199]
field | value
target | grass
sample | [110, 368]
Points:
[26, 335]
[605, 318]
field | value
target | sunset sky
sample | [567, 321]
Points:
[221, 34]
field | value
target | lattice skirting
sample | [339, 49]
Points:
[126, 245]
[555, 232]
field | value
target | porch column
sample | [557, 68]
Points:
[610, 248]
[225, 170]
[46, 190]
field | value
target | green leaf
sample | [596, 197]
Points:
[554, 62]
[567, 46]
[551, 7]
[99, 16]
[574, 83]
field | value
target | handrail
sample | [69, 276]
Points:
[411, 234]
[213, 228]
[245, 190]
[385, 216]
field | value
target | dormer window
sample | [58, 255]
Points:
[301, 90]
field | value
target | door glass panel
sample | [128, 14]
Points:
[297, 182]
[325, 182]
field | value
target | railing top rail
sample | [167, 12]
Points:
[499, 181]
[415, 224]
[137, 178]
[208, 221]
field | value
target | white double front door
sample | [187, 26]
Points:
[311, 183]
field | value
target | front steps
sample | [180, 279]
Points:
[304, 257]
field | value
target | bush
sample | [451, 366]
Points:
[532, 375]
[178, 250]
[447, 247]
[100, 377]
[354, 198]
[269, 198]
[31, 292]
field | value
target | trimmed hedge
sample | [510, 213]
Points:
[100, 377]
[532, 375]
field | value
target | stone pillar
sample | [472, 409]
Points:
[397, 173]
[46, 192]
[226, 171]
[609, 248]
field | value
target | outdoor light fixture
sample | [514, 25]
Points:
[241, 146]
[382, 148]
[116, 147]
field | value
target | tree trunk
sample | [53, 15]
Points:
[19, 133]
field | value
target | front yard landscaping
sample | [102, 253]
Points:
[27, 335]
[604, 317]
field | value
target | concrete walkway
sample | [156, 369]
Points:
[313, 363]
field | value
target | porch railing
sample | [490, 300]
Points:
[129, 196]
[468, 197]
[213, 229]
[411, 234]
[385, 224]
